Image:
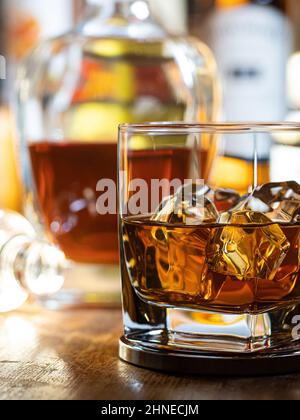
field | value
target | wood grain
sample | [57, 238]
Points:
[74, 355]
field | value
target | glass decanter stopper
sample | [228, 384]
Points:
[27, 266]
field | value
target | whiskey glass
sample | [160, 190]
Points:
[210, 271]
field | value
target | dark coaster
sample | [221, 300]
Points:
[275, 362]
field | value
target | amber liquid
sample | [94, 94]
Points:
[237, 174]
[177, 265]
[66, 176]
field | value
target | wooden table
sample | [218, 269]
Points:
[74, 355]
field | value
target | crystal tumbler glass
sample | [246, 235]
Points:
[210, 274]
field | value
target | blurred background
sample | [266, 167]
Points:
[256, 44]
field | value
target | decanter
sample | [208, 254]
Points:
[28, 266]
[117, 66]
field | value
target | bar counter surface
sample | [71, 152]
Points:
[73, 355]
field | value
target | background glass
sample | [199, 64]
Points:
[221, 274]
[116, 66]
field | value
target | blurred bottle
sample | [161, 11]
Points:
[27, 266]
[11, 189]
[252, 42]
[23, 24]
[31, 21]
[293, 70]
[10, 192]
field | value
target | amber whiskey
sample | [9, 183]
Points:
[227, 268]
[66, 177]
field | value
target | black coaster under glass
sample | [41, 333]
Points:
[272, 362]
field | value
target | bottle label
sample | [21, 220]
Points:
[252, 45]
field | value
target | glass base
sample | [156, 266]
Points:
[87, 286]
[267, 342]
[280, 361]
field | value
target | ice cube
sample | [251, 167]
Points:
[280, 202]
[224, 199]
[181, 262]
[296, 216]
[274, 192]
[251, 247]
[188, 206]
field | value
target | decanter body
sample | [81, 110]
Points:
[118, 66]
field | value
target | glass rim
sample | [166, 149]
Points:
[213, 128]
